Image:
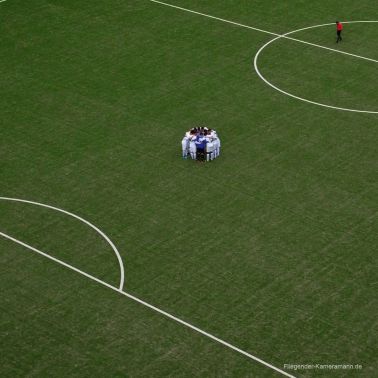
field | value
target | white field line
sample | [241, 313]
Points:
[266, 31]
[213, 17]
[114, 248]
[330, 49]
[255, 63]
[154, 308]
[2, 1]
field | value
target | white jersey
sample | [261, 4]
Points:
[212, 134]
[185, 144]
[193, 147]
[186, 138]
[192, 140]
[216, 138]
[210, 147]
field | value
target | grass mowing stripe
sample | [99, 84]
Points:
[162, 312]
[261, 282]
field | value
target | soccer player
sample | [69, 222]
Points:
[339, 29]
[185, 145]
[201, 147]
[210, 149]
[192, 145]
[216, 142]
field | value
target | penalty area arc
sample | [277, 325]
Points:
[91, 225]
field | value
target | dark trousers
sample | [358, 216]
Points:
[338, 36]
[200, 154]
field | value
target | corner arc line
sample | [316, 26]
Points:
[101, 233]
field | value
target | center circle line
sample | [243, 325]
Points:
[255, 63]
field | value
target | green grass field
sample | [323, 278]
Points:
[271, 248]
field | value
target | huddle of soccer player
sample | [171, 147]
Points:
[201, 143]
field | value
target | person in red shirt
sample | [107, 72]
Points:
[339, 29]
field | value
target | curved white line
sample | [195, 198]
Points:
[152, 307]
[297, 97]
[114, 248]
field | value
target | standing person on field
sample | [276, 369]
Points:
[185, 145]
[192, 144]
[339, 29]
[201, 146]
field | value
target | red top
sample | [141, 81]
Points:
[339, 26]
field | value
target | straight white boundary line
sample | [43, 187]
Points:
[266, 31]
[213, 17]
[162, 312]
[101, 233]
[255, 64]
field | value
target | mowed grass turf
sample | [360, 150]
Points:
[272, 247]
